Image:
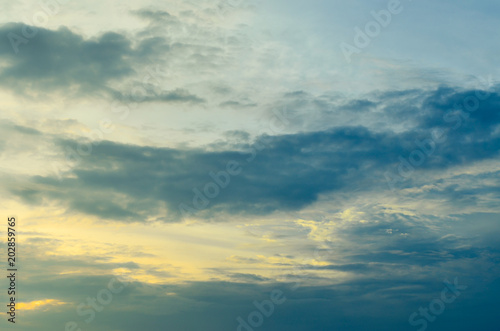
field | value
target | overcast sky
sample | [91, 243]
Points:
[341, 157]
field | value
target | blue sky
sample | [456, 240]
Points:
[206, 165]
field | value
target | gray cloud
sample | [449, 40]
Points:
[286, 172]
[63, 61]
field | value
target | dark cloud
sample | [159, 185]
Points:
[286, 172]
[237, 104]
[250, 278]
[64, 61]
[178, 95]
[378, 304]
[359, 105]
[156, 15]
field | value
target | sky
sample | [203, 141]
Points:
[251, 165]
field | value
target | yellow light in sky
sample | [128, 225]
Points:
[39, 304]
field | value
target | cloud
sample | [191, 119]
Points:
[359, 105]
[178, 95]
[66, 62]
[379, 303]
[237, 104]
[154, 15]
[289, 173]
[62, 59]
[278, 173]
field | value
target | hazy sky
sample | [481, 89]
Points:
[336, 160]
